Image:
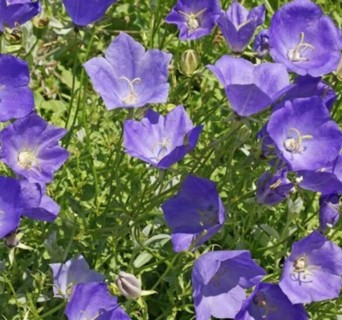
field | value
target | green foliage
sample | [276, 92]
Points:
[110, 203]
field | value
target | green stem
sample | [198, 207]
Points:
[53, 310]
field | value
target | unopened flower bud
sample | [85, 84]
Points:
[129, 285]
[189, 62]
[261, 43]
[12, 240]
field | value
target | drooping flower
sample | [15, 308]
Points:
[35, 203]
[272, 189]
[129, 76]
[128, 285]
[29, 146]
[9, 213]
[326, 180]
[195, 214]
[93, 301]
[328, 211]
[250, 88]
[313, 270]
[238, 24]
[194, 19]
[307, 86]
[14, 12]
[16, 98]
[304, 134]
[161, 141]
[67, 275]
[304, 39]
[219, 280]
[261, 43]
[83, 12]
[268, 302]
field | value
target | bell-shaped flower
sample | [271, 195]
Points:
[194, 19]
[83, 12]
[161, 141]
[129, 76]
[14, 12]
[313, 270]
[195, 214]
[304, 134]
[9, 213]
[29, 146]
[16, 98]
[220, 280]
[268, 302]
[304, 39]
[307, 86]
[272, 189]
[67, 275]
[93, 301]
[35, 203]
[328, 211]
[238, 24]
[261, 43]
[250, 88]
[326, 180]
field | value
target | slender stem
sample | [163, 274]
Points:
[53, 310]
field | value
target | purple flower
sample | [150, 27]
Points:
[9, 213]
[219, 280]
[328, 211]
[250, 88]
[67, 275]
[161, 141]
[129, 76]
[84, 12]
[238, 24]
[305, 40]
[313, 270]
[261, 43]
[307, 86]
[17, 12]
[29, 146]
[304, 134]
[272, 189]
[16, 98]
[35, 204]
[195, 214]
[268, 302]
[194, 19]
[93, 301]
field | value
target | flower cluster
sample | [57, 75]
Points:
[87, 295]
[29, 146]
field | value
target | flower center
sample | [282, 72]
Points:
[131, 98]
[295, 144]
[208, 216]
[162, 148]
[302, 269]
[275, 185]
[192, 22]
[296, 54]
[27, 159]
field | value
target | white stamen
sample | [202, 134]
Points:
[295, 145]
[131, 98]
[296, 54]
[27, 159]
[192, 19]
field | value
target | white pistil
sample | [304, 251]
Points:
[275, 185]
[27, 159]
[131, 98]
[301, 267]
[296, 54]
[192, 19]
[162, 148]
[295, 145]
